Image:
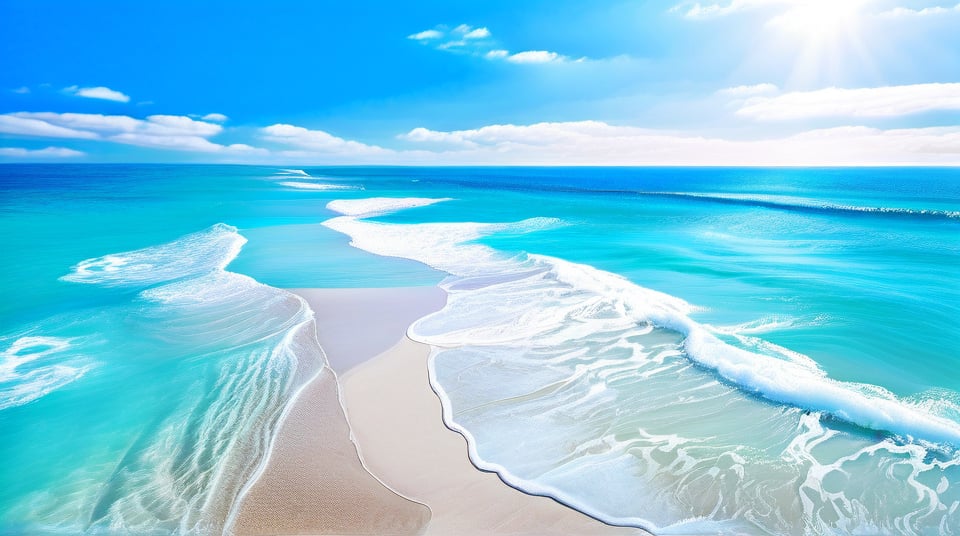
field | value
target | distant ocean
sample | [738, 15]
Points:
[763, 351]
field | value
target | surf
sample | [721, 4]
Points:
[217, 358]
[532, 335]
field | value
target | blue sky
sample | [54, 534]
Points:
[724, 82]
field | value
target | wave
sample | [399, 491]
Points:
[228, 351]
[621, 384]
[299, 172]
[802, 204]
[189, 256]
[440, 245]
[315, 186]
[374, 206]
[33, 366]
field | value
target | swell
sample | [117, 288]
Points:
[808, 206]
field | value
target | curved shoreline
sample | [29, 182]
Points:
[312, 480]
[407, 473]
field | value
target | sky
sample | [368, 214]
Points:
[492, 82]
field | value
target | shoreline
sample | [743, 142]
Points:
[312, 480]
[397, 421]
[363, 449]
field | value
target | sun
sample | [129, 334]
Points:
[824, 35]
[819, 19]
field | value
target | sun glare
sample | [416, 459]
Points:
[824, 34]
[819, 19]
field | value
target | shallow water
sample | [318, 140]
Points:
[690, 350]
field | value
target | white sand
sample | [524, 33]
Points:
[396, 420]
[314, 482]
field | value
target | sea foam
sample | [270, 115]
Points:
[441, 246]
[232, 352]
[787, 202]
[314, 185]
[634, 402]
[33, 366]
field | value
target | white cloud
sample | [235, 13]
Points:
[598, 143]
[479, 33]
[159, 125]
[696, 10]
[216, 118]
[536, 56]
[157, 131]
[888, 101]
[748, 90]
[798, 15]
[26, 126]
[452, 44]
[22, 90]
[318, 142]
[425, 135]
[924, 12]
[426, 35]
[48, 152]
[465, 39]
[99, 92]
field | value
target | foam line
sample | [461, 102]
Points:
[614, 299]
[314, 186]
[805, 204]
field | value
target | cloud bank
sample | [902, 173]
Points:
[889, 101]
[46, 153]
[156, 131]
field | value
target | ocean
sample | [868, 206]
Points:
[689, 350]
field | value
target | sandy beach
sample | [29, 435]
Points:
[415, 476]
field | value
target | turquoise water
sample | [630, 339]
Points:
[688, 350]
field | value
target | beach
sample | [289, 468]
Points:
[363, 449]
[505, 351]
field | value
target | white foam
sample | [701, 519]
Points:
[191, 255]
[22, 382]
[253, 345]
[299, 172]
[315, 186]
[375, 206]
[612, 300]
[788, 201]
[626, 415]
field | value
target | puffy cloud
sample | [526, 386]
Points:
[48, 152]
[216, 118]
[888, 101]
[22, 90]
[426, 35]
[536, 56]
[161, 125]
[318, 142]
[99, 92]
[157, 131]
[479, 33]
[27, 126]
[465, 39]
